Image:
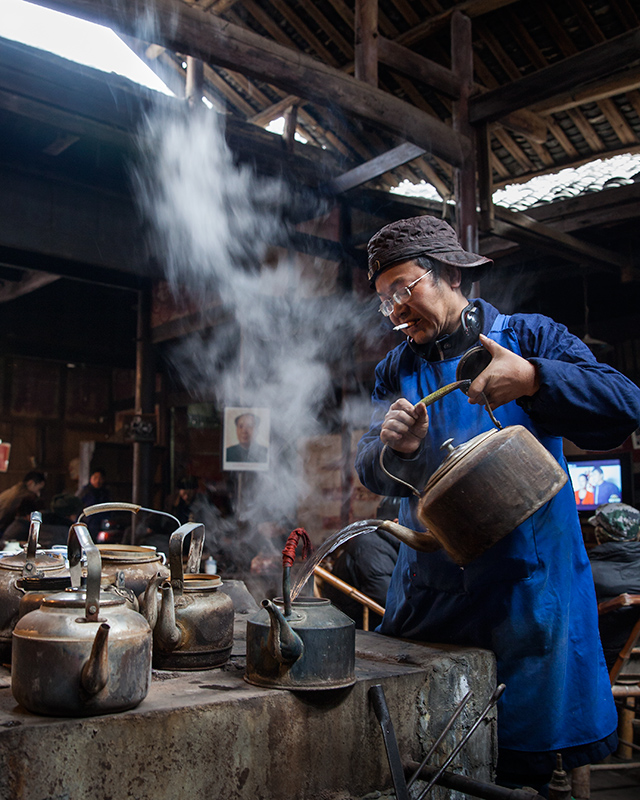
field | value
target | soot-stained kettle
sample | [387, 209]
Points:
[139, 564]
[484, 488]
[83, 651]
[307, 644]
[192, 620]
[30, 565]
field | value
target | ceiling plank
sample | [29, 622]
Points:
[471, 8]
[595, 91]
[563, 76]
[375, 167]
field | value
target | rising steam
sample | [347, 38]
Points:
[273, 340]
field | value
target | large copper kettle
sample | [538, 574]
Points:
[483, 489]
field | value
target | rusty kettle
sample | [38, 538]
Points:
[138, 564]
[192, 620]
[483, 489]
[32, 565]
[82, 652]
[303, 645]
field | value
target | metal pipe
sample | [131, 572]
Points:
[471, 786]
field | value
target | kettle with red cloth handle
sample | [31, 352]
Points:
[303, 644]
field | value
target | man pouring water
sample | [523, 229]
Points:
[529, 598]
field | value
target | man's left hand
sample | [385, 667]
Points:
[508, 377]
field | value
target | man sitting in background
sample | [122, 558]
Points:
[366, 563]
[615, 564]
[29, 488]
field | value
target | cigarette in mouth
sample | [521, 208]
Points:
[401, 327]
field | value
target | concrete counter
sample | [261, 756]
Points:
[208, 735]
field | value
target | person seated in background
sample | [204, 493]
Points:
[92, 494]
[64, 511]
[615, 564]
[366, 563]
[18, 530]
[187, 501]
[29, 487]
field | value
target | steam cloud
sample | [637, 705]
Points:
[211, 224]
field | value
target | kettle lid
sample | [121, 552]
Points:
[77, 598]
[455, 455]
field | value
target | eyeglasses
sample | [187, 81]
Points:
[399, 297]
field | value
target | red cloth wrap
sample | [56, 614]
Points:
[289, 552]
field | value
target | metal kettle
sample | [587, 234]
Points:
[138, 564]
[192, 620]
[14, 570]
[483, 489]
[82, 652]
[306, 644]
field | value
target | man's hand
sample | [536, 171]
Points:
[405, 426]
[508, 377]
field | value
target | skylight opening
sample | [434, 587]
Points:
[602, 173]
[76, 40]
[277, 126]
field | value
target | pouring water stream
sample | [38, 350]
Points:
[335, 540]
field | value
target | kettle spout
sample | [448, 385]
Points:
[95, 671]
[423, 541]
[149, 600]
[167, 635]
[283, 643]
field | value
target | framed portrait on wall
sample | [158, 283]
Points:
[245, 443]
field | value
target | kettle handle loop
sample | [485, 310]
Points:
[101, 508]
[79, 540]
[29, 570]
[393, 477]
[196, 529]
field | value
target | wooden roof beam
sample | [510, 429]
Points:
[205, 36]
[563, 76]
[521, 228]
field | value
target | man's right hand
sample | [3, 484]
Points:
[405, 426]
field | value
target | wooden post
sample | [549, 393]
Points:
[194, 86]
[366, 41]
[290, 124]
[144, 402]
[485, 178]
[465, 175]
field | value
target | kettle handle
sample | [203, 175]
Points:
[29, 570]
[196, 529]
[79, 540]
[101, 508]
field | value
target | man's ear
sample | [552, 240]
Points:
[454, 275]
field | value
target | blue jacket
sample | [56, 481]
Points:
[530, 598]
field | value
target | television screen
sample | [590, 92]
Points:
[596, 481]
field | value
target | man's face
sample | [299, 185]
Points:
[36, 488]
[96, 480]
[187, 495]
[596, 478]
[432, 311]
[244, 429]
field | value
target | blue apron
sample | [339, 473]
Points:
[530, 598]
